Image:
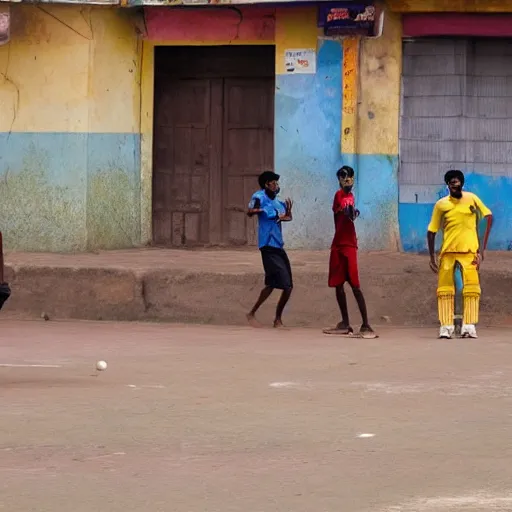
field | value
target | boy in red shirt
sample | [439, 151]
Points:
[343, 259]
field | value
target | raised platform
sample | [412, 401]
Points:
[220, 286]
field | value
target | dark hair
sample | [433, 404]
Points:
[267, 176]
[454, 173]
[345, 171]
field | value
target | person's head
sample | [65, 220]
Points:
[454, 179]
[269, 181]
[345, 177]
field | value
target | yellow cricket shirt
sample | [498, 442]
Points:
[458, 218]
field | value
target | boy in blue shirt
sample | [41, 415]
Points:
[278, 273]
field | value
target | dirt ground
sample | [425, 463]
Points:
[228, 419]
[220, 286]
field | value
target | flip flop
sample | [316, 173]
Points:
[344, 334]
[336, 331]
[367, 335]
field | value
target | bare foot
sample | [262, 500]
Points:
[278, 324]
[252, 321]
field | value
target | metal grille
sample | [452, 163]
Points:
[456, 112]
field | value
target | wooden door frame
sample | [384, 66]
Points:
[147, 89]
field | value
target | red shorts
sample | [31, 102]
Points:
[343, 267]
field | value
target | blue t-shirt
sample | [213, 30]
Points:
[270, 232]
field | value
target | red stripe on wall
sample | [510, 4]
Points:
[453, 24]
[210, 24]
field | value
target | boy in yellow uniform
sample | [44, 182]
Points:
[458, 215]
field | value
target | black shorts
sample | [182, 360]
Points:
[278, 272]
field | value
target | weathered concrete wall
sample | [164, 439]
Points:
[321, 126]
[75, 174]
[219, 288]
[309, 114]
[377, 136]
[307, 128]
[69, 143]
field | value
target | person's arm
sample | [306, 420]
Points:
[433, 228]
[254, 206]
[489, 218]
[269, 212]
[336, 206]
[431, 241]
[287, 216]
[345, 207]
[353, 212]
[487, 215]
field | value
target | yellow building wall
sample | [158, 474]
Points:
[59, 62]
[295, 28]
[379, 99]
[44, 71]
[69, 129]
[114, 83]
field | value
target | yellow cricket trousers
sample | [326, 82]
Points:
[446, 287]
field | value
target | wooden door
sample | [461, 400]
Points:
[213, 135]
[182, 162]
[248, 150]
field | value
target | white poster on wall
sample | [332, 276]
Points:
[300, 61]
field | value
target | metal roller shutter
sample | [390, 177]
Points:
[456, 112]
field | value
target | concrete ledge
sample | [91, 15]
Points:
[80, 293]
[218, 287]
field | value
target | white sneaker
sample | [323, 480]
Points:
[468, 331]
[446, 332]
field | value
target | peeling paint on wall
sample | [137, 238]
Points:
[39, 211]
[307, 135]
[113, 191]
[38, 215]
[69, 142]
[69, 191]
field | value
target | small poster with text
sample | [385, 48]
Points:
[300, 61]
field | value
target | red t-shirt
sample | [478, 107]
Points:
[345, 230]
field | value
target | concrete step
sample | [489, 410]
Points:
[219, 287]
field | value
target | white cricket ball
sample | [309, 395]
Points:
[101, 365]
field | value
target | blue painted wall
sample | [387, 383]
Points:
[307, 146]
[494, 192]
[308, 153]
[377, 199]
[69, 191]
